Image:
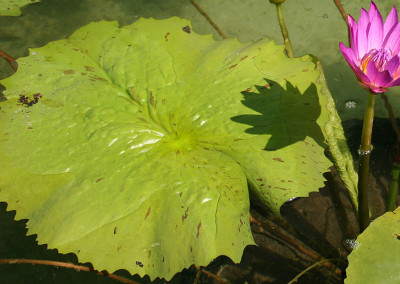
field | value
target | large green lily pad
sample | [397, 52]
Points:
[375, 258]
[12, 7]
[134, 147]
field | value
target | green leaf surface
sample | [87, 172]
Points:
[134, 147]
[12, 7]
[375, 257]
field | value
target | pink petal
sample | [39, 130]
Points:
[383, 79]
[351, 60]
[393, 83]
[372, 71]
[393, 65]
[362, 40]
[353, 35]
[396, 75]
[377, 90]
[392, 40]
[391, 22]
[373, 11]
[375, 32]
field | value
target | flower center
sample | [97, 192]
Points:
[381, 57]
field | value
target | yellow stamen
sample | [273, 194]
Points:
[365, 62]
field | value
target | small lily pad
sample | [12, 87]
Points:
[375, 258]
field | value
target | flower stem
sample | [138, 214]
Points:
[285, 33]
[363, 166]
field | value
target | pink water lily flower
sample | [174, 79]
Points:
[374, 49]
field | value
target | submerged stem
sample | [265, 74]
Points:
[66, 265]
[294, 280]
[394, 186]
[394, 189]
[363, 166]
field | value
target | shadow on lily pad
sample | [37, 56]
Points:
[286, 114]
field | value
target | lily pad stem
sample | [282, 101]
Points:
[363, 165]
[285, 33]
[212, 23]
[9, 59]
[341, 10]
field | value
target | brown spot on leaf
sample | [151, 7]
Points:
[266, 86]
[243, 58]
[115, 230]
[147, 213]
[153, 101]
[259, 179]
[166, 36]
[186, 29]
[280, 188]
[119, 247]
[89, 68]
[99, 180]
[198, 230]
[97, 78]
[278, 160]
[233, 66]
[25, 101]
[67, 72]
[138, 263]
[148, 253]
[185, 216]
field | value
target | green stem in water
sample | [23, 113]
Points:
[285, 33]
[363, 166]
[394, 188]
